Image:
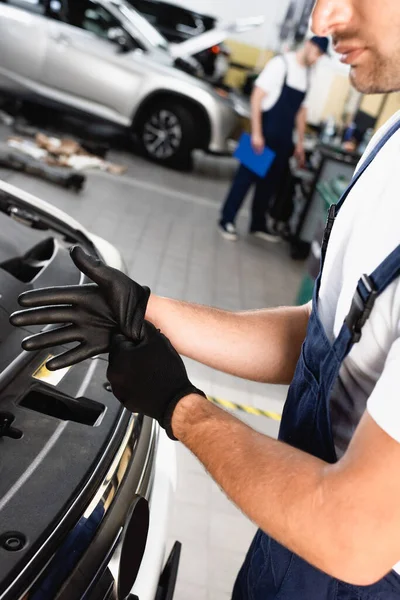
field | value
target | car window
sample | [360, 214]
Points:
[147, 30]
[90, 16]
[152, 12]
[184, 18]
[184, 21]
[34, 6]
[57, 9]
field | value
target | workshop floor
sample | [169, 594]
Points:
[164, 223]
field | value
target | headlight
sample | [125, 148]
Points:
[221, 92]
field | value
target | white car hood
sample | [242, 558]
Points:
[107, 251]
[213, 37]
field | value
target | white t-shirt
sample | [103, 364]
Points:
[366, 231]
[272, 78]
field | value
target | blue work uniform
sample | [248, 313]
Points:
[270, 571]
[278, 125]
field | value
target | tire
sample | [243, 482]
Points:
[167, 135]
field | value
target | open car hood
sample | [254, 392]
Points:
[215, 36]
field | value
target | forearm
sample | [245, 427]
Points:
[301, 124]
[256, 111]
[297, 499]
[258, 345]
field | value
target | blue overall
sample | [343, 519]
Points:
[278, 124]
[270, 571]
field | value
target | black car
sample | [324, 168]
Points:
[178, 24]
[77, 471]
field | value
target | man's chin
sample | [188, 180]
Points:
[360, 85]
[369, 83]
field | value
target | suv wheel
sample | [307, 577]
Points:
[166, 135]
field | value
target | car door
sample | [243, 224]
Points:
[83, 68]
[23, 38]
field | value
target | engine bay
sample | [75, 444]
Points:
[58, 431]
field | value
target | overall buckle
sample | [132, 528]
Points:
[361, 307]
[329, 226]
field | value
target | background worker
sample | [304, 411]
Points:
[277, 105]
[326, 495]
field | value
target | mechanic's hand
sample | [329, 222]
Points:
[258, 143]
[149, 377]
[90, 313]
[300, 156]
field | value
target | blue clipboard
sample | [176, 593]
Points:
[260, 164]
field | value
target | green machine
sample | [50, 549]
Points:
[329, 192]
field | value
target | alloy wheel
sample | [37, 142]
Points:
[162, 134]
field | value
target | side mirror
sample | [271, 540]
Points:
[117, 35]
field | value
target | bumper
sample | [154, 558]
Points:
[229, 119]
[149, 585]
[146, 469]
[225, 124]
[165, 478]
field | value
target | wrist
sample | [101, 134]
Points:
[152, 309]
[190, 411]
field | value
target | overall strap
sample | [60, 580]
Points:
[286, 70]
[369, 288]
[309, 72]
[387, 271]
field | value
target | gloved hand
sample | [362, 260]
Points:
[149, 377]
[91, 313]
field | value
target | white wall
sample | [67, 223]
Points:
[228, 10]
[324, 74]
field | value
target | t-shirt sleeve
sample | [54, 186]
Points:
[384, 402]
[273, 75]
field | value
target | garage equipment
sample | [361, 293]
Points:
[329, 192]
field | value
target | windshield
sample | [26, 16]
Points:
[146, 29]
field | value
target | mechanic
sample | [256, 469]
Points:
[326, 496]
[278, 102]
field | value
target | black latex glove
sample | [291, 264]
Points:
[90, 313]
[149, 377]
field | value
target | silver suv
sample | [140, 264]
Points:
[102, 58]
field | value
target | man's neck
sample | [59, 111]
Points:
[301, 57]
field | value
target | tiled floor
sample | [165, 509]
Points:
[164, 223]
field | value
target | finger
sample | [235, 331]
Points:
[71, 294]
[117, 339]
[44, 316]
[76, 355]
[90, 266]
[118, 342]
[56, 337]
[71, 357]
